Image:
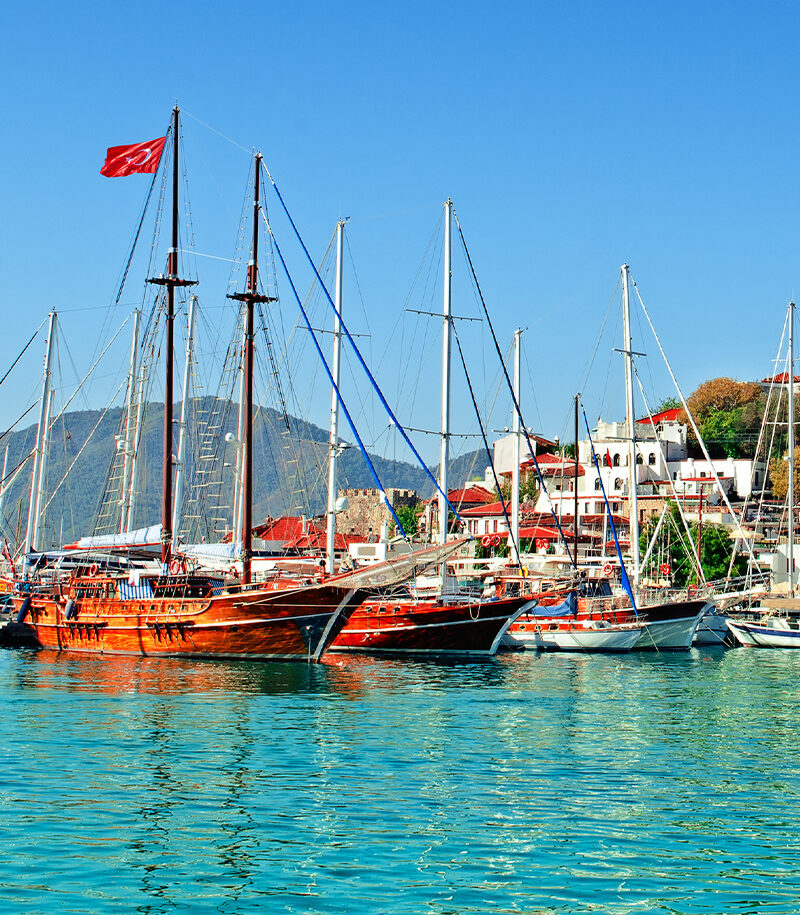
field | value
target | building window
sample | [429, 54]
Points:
[597, 485]
[639, 459]
[617, 483]
[651, 460]
[616, 460]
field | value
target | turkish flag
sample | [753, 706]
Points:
[136, 157]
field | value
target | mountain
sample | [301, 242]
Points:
[290, 469]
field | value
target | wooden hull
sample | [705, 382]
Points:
[287, 624]
[429, 626]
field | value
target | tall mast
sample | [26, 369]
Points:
[250, 296]
[41, 439]
[575, 540]
[630, 421]
[171, 280]
[180, 471]
[515, 466]
[447, 331]
[131, 432]
[790, 492]
[237, 480]
[3, 483]
[333, 440]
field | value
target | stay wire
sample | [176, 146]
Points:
[489, 454]
[330, 377]
[357, 352]
[522, 423]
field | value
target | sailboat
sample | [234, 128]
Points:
[778, 625]
[171, 611]
[450, 622]
[667, 625]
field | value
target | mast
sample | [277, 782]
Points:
[333, 440]
[171, 281]
[444, 453]
[515, 466]
[447, 331]
[575, 541]
[790, 491]
[3, 483]
[180, 471]
[41, 439]
[131, 429]
[250, 296]
[630, 421]
[237, 480]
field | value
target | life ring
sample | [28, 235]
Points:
[496, 540]
[541, 544]
[486, 540]
[177, 567]
[664, 568]
[608, 569]
[93, 570]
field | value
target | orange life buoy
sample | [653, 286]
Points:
[496, 540]
[486, 540]
[177, 567]
[692, 590]
[608, 569]
[541, 544]
[93, 569]
[664, 568]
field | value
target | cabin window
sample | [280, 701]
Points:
[651, 460]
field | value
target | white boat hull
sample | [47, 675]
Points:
[772, 633]
[712, 629]
[571, 637]
[668, 635]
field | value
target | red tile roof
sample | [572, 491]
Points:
[664, 416]
[782, 378]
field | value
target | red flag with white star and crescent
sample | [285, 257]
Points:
[134, 158]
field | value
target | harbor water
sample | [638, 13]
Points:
[526, 783]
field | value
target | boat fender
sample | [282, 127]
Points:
[24, 610]
[71, 610]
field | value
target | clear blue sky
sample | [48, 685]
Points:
[572, 137]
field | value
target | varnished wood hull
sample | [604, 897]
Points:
[288, 624]
[429, 627]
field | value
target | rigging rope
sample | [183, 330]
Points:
[356, 350]
[333, 383]
[522, 423]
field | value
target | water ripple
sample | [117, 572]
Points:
[526, 784]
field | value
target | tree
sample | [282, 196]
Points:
[528, 486]
[408, 515]
[728, 414]
[779, 476]
[668, 403]
[716, 547]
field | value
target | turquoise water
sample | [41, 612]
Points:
[537, 784]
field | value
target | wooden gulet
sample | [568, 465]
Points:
[174, 612]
